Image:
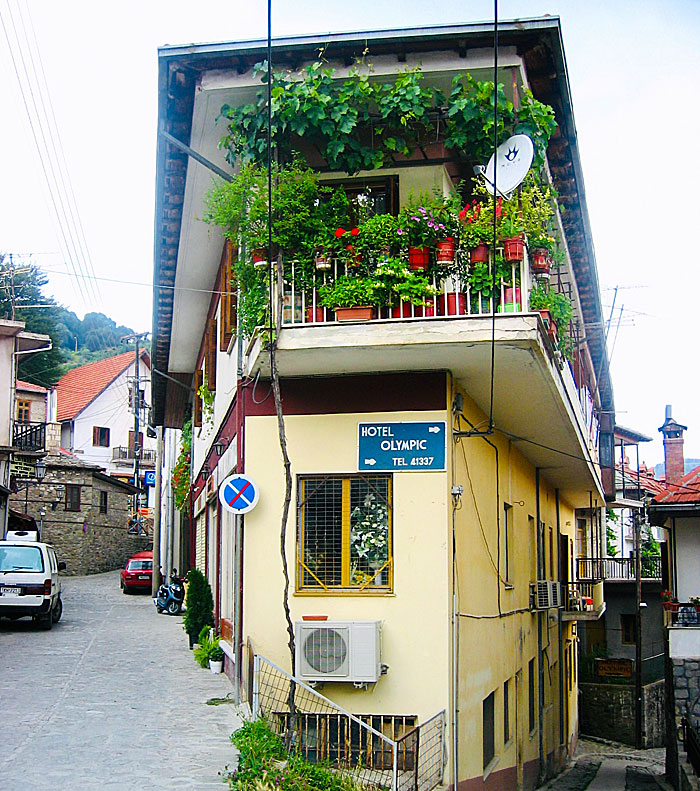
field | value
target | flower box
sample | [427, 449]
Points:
[418, 257]
[357, 313]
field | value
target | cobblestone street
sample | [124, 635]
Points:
[110, 698]
[606, 766]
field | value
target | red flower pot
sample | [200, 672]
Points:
[317, 314]
[479, 254]
[513, 249]
[418, 257]
[540, 261]
[259, 256]
[323, 261]
[511, 300]
[403, 310]
[456, 304]
[445, 251]
[671, 606]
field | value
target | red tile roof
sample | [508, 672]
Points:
[80, 386]
[687, 490]
[32, 388]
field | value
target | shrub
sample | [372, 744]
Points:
[199, 603]
[208, 648]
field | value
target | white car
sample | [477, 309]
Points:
[29, 582]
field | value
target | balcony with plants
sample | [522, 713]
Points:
[346, 287]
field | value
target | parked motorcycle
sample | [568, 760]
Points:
[171, 596]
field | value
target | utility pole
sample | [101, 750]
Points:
[136, 404]
[636, 517]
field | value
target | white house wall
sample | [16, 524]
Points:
[687, 553]
[110, 409]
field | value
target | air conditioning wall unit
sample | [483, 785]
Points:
[338, 650]
[539, 595]
[555, 597]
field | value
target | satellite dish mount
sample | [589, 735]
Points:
[507, 169]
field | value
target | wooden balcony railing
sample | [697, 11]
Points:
[29, 436]
[120, 453]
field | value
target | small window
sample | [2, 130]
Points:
[23, 411]
[103, 502]
[72, 497]
[507, 539]
[488, 729]
[628, 629]
[344, 526]
[100, 437]
[531, 696]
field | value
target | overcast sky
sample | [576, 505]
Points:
[633, 68]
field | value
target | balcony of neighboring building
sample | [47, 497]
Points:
[124, 456]
[29, 436]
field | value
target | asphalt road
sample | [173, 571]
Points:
[110, 698]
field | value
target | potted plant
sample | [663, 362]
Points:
[216, 658]
[404, 289]
[476, 231]
[352, 298]
[669, 601]
[208, 653]
[554, 307]
[369, 537]
[377, 238]
[420, 229]
[511, 229]
[695, 601]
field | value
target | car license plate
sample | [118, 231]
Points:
[10, 591]
[143, 576]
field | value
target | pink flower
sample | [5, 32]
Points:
[399, 231]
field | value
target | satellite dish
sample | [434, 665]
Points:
[512, 162]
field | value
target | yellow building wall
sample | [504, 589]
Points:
[415, 640]
[494, 644]
[498, 634]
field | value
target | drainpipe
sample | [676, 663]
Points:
[560, 631]
[540, 662]
[156, 513]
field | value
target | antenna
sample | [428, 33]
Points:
[508, 166]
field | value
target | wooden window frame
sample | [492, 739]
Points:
[346, 586]
[228, 303]
[211, 352]
[23, 412]
[356, 186]
[628, 629]
[97, 435]
[68, 503]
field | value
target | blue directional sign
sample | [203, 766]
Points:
[149, 478]
[404, 447]
[239, 494]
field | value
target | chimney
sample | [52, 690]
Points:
[674, 462]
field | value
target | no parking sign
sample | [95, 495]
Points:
[239, 494]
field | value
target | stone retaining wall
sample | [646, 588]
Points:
[607, 711]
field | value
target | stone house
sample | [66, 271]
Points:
[83, 512]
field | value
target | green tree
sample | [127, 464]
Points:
[611, 530]
[199, 603]
[21, 290]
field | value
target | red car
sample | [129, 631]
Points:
[137, 575]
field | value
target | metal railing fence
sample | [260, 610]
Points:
[691, 744]
[617, 568]
[409, 759]
[29, 436]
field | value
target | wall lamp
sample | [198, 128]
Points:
[219, 447]
[205, 473]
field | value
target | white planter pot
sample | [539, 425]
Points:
[216, 667]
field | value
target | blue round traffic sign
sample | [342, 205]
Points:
[239, 494]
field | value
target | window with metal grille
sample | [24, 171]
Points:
[23, 410]
[344, 533]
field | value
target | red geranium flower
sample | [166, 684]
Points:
[354, 232]
[339, 232]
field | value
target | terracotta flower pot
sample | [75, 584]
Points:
[479, 254]
[418, 257]
[452, 304]
[323, 261]
[355, 313]
[514, 248]
[259, 256]
[316, 314]
[403, 310]
[511, 300]
[445, 251]
[671, 606]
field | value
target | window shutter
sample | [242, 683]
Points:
[227, 326]
[95, 435]
[198, 380]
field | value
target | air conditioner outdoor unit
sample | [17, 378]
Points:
[539, 594]
[555, 597]
[338, 651]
